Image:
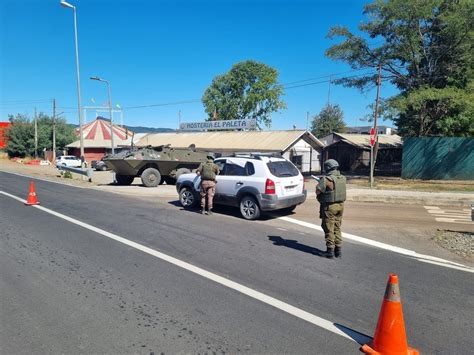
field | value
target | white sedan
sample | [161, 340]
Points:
[68, 160]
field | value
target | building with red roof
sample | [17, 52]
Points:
[97, 140]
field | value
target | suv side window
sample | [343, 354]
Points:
[235, 170]
[250, 169]
[221, 165]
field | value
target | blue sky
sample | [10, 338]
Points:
[156, 52]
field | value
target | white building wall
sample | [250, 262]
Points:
[310, 160]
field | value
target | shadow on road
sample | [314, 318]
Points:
[353, 334]
[294, 244]
[220, 209]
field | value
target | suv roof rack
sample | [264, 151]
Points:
[256, 155]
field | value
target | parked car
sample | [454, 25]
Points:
[253, 182]
[99, 165]
[68, 160]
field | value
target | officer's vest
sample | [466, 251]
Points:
[339, 192]
[208, 171]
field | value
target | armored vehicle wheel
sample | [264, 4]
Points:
[124, 179]
[182, 171]
[187, 198]
[249, 208]
[151, 177]
[170, 181]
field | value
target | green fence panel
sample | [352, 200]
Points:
[438, 158]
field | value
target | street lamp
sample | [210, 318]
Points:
[69, 6]
[110, 109]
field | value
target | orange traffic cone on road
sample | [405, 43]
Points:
[390, 336]
[32, 199]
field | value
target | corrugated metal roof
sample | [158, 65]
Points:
[363, 140]
[238, 141]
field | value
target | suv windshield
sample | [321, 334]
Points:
[282, 168]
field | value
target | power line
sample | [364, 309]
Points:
[25, 101]
[324, 81]
[287, 86]
[323, 76]
[164, 104]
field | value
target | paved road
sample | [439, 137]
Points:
[64, 288]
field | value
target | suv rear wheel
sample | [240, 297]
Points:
[151, 177]
[249, 208]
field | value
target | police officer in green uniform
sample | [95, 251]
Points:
[208, 172]
[331, 194]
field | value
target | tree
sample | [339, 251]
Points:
[248, 90]
[426, 49]
[21, 135]
[329, 120]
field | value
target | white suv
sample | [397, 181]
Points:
[68, 160]
[252, 182]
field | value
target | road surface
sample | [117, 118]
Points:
[94, 272]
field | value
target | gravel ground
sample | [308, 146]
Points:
[461, 243]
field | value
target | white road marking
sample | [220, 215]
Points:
[283, 229]
[285, 307]
[458, 216]
[421, 257]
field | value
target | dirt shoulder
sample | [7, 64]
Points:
[415, 185]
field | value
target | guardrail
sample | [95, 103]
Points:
[81, 171]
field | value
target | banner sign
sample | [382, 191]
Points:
[218, 125]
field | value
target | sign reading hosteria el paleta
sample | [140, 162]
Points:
[218, 125]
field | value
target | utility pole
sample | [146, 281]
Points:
[329, 90]
[307, 120]
[373, 152]
[54, 131]
[36, 136]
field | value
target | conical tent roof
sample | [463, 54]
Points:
[97, 134]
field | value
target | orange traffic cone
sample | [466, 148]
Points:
[390, 336]
[32, 199]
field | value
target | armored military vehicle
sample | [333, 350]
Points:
[154, 165]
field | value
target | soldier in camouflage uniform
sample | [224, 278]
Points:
[208, 172]
[331, 194]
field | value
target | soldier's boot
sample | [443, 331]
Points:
[338, 252]
[203, 210]
[209, 212]
[329, 253]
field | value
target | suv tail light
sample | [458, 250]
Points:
[269, 187]
[304, 185]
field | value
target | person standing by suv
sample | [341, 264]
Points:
[208, 172]
[331, 194]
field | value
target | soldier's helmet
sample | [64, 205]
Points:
[210, 158]
[330, 164]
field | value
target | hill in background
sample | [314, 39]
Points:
[141, 129]
[137, 129]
